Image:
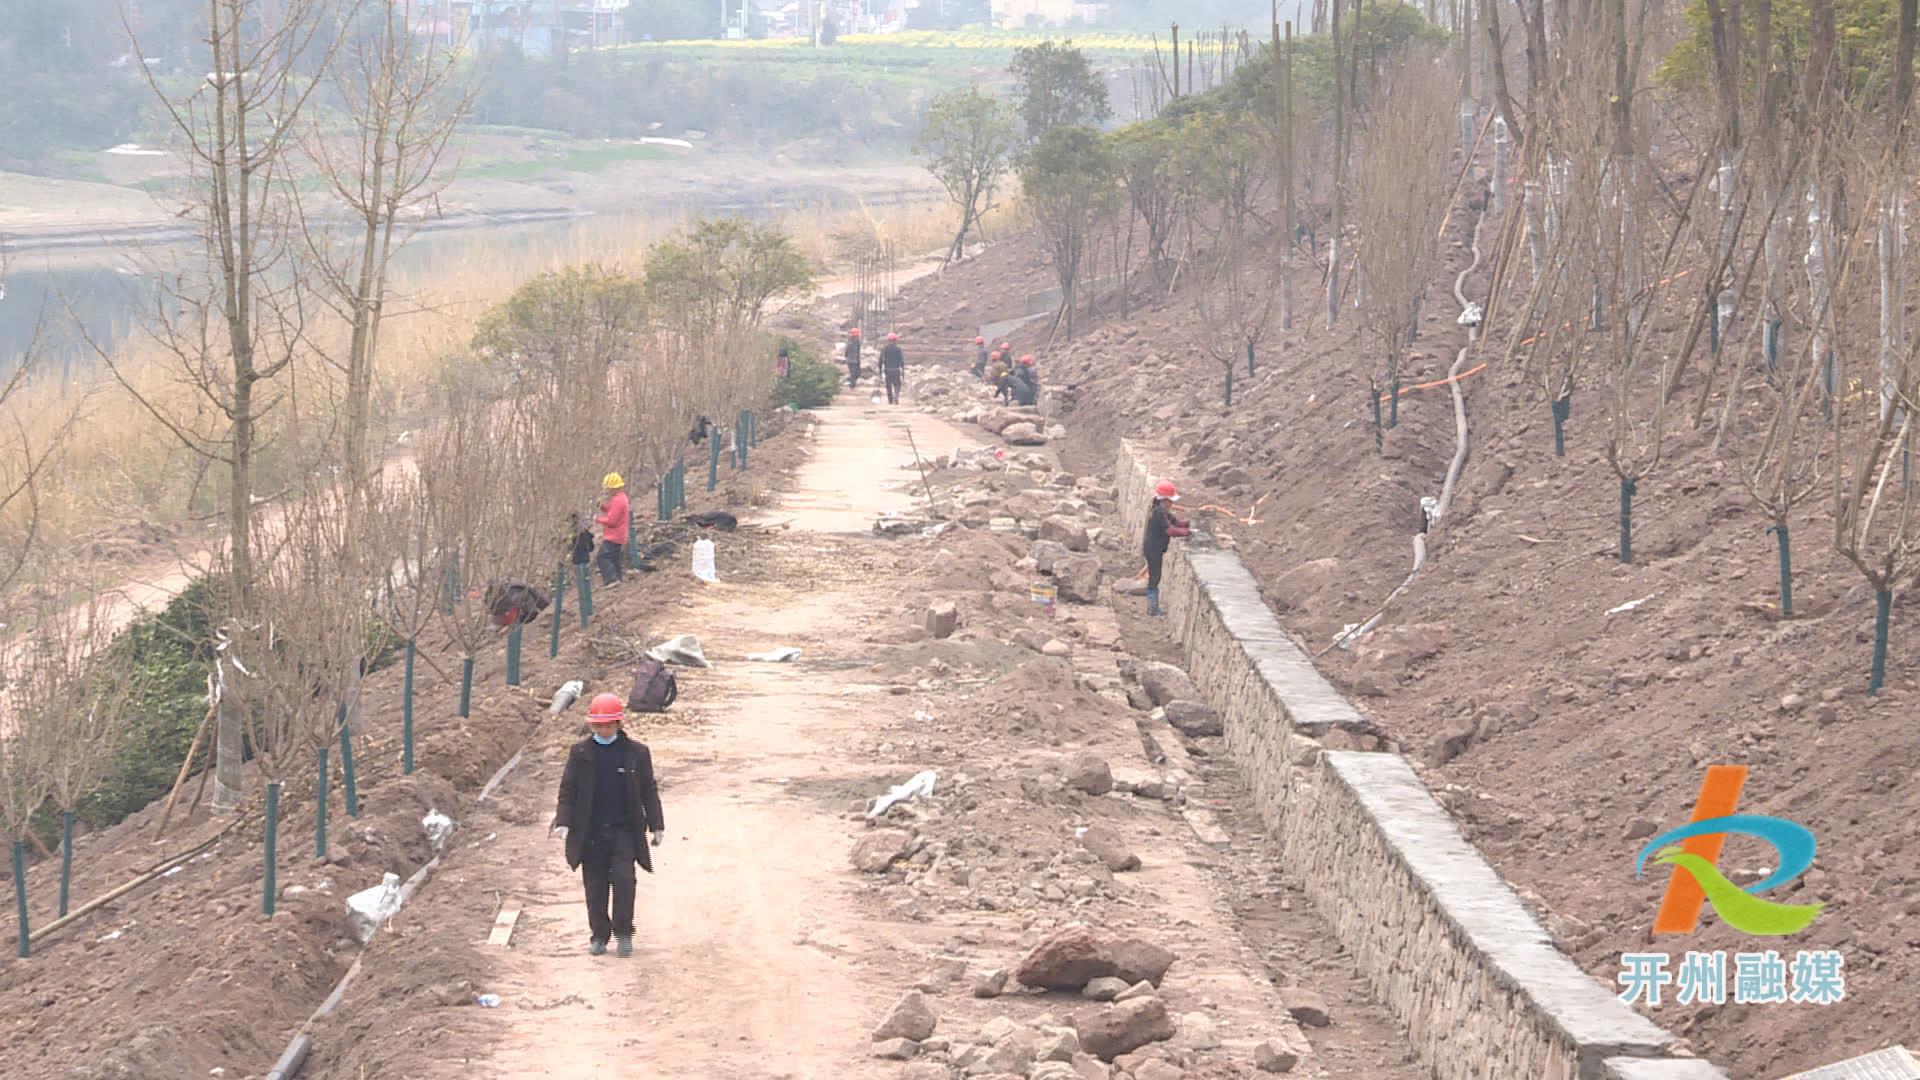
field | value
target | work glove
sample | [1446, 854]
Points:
[561, 831]
[658, 837]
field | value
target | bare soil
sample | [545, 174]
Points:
[1555, 731]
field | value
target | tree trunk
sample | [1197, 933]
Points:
[1490, 15]
[1340, 108]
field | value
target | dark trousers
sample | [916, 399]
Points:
[612, 561]
[1153, 568]
[894, 379]
[609, 867]
[853, 375]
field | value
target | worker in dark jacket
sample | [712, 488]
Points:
[853, 357]
[1024, 383]
[607, 800]
[893, 367]
[981, 353]
[1161, 527]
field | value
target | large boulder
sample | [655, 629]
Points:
[1297, 587]
[1079, 578]
[876, 851]
[1164, 683]
[1111, 1032]
[1090, 773]
[1000, 420]
[1063, 530]
[1111, 848]
[1047, 553]
[1073, 955]
[1193, 718]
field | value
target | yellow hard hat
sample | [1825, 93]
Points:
[613, 481]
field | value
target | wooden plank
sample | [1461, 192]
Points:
[503, 925]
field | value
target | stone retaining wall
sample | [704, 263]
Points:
[1443, 940]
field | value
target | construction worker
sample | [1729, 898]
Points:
[1161, 526]
[853, 358]
[614, 521]
[1024, 383]
[980, 357]
[782, 364]
[608, 798]
[893, 367]
[997, 372]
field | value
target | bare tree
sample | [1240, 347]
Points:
[233, 326]
[967, 145]
[396, 91]
[1237, 294]
[1405, 157]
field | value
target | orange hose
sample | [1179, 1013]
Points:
[1438, 382]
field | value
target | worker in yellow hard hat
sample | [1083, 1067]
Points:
[614, 520]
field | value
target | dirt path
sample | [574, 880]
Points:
[750, 946]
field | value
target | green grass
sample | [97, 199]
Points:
[588, 160]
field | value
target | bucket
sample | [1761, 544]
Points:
[1044, 593]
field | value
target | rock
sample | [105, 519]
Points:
[1194, 718]
[1066, 532]
[1057, 1044]
[1197, 1031]
[1164, 683]
[1112, 850]
[1070, 957]
[877, 850]
[1453, 742]
[896, 1049]
[999, 1030]
[1079, 578]
[1090, 773]
[1825, 714]
[1281, 1053]
[1056, 647]
[1297, 587]
[943, 617]
[1640, 828]
[1047, 553]
[1088, 1067]
[1030, 638]
[990, 984]
[1159, 1070]
[1024, 434]
[910, 1018]
[1053, 1070]
[926, 1070]
[1139, 989]
[1104, 988]
[1130, 587]
[1013, 1054]
[1114, 1031]
[1386, 655]
[1792, 703]
[1305, 1006]
[1000, 420]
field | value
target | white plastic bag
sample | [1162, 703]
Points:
[920, 786]
[703, 565]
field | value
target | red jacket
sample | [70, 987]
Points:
[614, 519]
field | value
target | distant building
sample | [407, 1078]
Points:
[533, 26]
[1015, 14]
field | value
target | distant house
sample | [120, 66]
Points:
[1014, 14]
[533, 26]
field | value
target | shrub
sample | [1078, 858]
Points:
[810, 383]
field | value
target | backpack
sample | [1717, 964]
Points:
[654, 688]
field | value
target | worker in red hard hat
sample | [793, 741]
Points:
[608, 799]
[893, 368]
[1025, 382]
[981, 353]
[853, 358]
[1161, 527]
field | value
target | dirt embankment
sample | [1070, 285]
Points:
[1558, 730]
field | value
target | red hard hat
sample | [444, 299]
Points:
[979, 341]
[1027, 359]
[893, 337]
[1006, 347]
[995, 355]
[605, 708]
[855, 332]
[1165, 490]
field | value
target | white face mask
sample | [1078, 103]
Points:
[606, 740]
